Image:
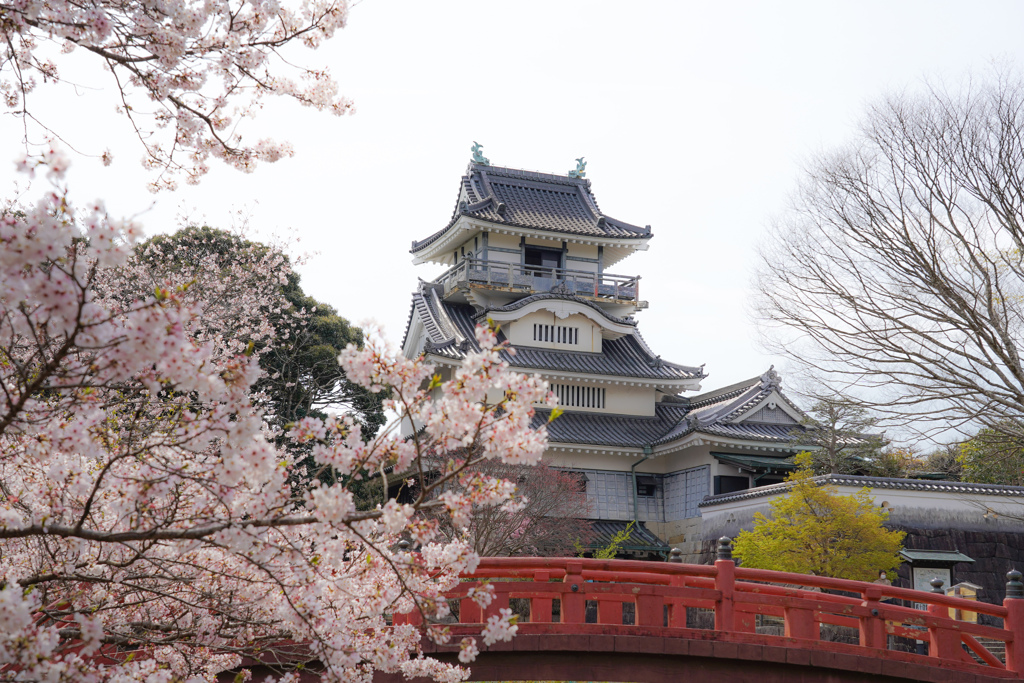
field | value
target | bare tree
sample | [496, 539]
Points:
[552, 519]
[899, 270]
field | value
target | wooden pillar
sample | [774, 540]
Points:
[725, 583]
[573, 602]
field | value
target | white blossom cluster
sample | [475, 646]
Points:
[149, 528]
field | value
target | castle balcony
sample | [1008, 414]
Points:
[527, 279]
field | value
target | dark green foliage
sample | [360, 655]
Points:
[302, 376]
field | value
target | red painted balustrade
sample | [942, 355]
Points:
[662, 592]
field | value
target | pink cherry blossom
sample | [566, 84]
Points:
[147, 508]
[191, 72]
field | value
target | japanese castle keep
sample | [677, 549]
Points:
[534, 252]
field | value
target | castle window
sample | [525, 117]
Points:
[579, 396]
[544, 258]
[646, 487]
[558, 334]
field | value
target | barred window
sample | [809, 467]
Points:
[559, 334]
[578, 396]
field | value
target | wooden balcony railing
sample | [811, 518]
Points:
[516, 276]
[558, 590]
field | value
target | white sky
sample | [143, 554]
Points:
[693, 118]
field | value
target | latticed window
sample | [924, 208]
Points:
[559, 334]
[579, 396]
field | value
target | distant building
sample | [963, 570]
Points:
[534, 253]
[978, 529]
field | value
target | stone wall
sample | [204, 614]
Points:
[994, 553]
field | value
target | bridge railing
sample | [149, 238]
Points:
[662, 593]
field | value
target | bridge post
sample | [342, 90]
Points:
[573, 603]
[540, 608]
[676, 606]
[943, 643]
[470, 612]
[872, 629]
[725, 583]
[1014, 622]
[609, 611]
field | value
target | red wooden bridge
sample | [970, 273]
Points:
[721, 622]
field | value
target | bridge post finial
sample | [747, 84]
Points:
[724, 548]
[1014, 586]
[1014, 621]
[676, 555]
[937, 586]
[403, 546]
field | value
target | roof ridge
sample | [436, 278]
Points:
[509, 172]
[698, 402]
[880, 482]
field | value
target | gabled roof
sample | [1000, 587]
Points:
[709, 414]
[602, 429]
[528, 199]
[934, 556]
[640, 537]
[450, 334]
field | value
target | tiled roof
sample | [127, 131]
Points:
[640, 537]
[450, 334]
[533, 200]
[925, 556]
[602, 429]
[450, 330]
[670, 423]
[950, 487]
[756, 461]
[751, 430]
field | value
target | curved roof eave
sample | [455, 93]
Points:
[547, 296]
[424, 249]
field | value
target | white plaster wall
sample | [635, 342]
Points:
[520, 332]
[503, 257]
[586, 266]
[599, 461]
[506, 241]
[917, 509]
[630, 400]
[583, 250]
[694, 456]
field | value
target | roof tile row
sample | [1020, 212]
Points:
[533, 200]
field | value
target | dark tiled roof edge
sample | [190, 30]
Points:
[874, 482]
[628, 231]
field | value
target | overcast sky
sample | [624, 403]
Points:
[693, 117]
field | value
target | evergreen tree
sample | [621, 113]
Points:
[299, 354]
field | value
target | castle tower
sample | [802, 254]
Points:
[534, 253]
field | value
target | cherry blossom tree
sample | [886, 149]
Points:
[187, 72]
[250, 298]
[148, 527]
[552, 519]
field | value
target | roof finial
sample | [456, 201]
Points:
[771, 379]
[479, 158]
[581, 169]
